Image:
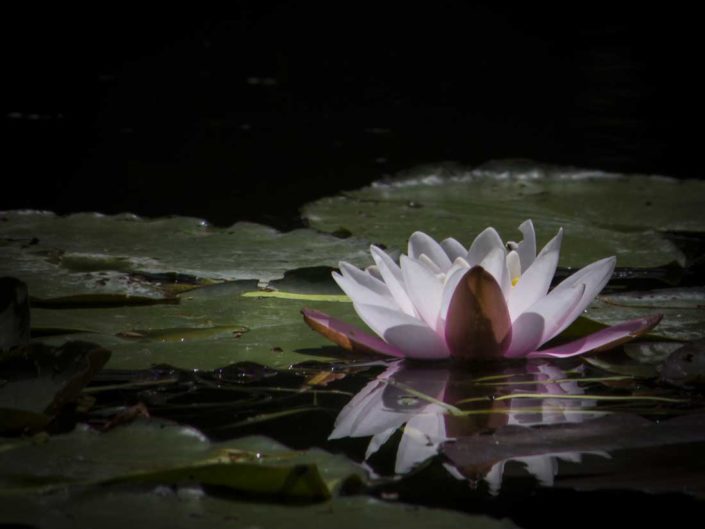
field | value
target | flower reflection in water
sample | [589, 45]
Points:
[419, 399]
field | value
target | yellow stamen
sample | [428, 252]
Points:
[515, 280]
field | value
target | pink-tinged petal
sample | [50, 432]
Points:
[347, 336]
[530, 329]
[362, 287]
[526, 335]
[477, 324]
[483, 244]
[424, 289]
[420, 243]
[495, 263]
[361, 294]
[453, 249]
[407, 334]
[594, 276]
[603, 339]
[391, 273]
[453, 277]
[527, 247]
[364, 279]
[536, 280]
[556, 309]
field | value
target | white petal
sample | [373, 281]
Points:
[495, 263]
[391, 273]
[409, 334]
[424, 288]
[362, 294]
[543, 467]
[594, 276]
[539, 323]
[513, 265]
[352, 421]
[483, 244]
[363, 278]
[429, 264]
[422, 436]
[536, 280]
[527, 247]
[366, 414]
[420, 243]
[453, 249]
[493, 478]
[453, 277]
[458, 264]
[374, 272]
[378, 441]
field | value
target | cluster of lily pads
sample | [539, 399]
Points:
[115, 293]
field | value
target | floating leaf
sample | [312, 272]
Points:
[190, 508]
[205, 330]
[460, 203]
[125, 254]
[683, 311]
[619, 363]
[685, 366]
[159, 452]
[610, 436]
[183, 334]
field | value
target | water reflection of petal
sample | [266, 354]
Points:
[412, 398]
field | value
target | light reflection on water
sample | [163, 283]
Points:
[532, 415]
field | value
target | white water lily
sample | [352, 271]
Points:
[489, 300]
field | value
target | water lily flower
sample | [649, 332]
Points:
[492, 300]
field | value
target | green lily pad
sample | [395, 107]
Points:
[89, 253]
[683, 311]
[160, 452]
[603, 214]
[210, 327]
[190, 508]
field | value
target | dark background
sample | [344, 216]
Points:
[251, 115]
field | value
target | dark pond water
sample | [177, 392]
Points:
[244, 118]
[538, 442]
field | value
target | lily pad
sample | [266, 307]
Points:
[683, 311]
[603, 214]
[89, 253]
[621, 437]
[210, 327]
[161, 452]
[190, 508]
